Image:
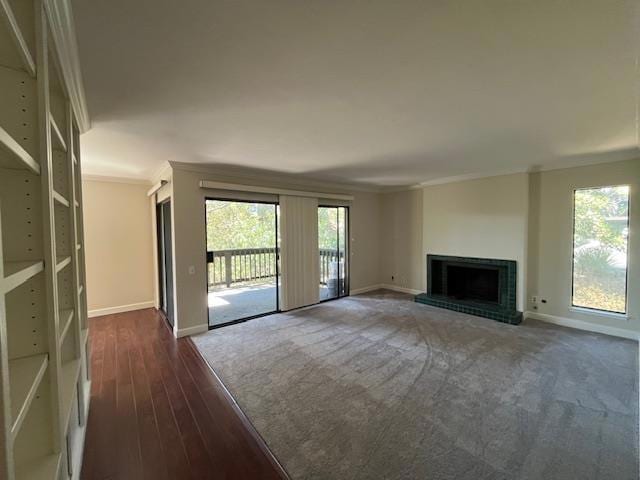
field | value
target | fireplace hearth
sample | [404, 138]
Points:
[480, 286]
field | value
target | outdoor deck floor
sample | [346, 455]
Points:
[235, 303]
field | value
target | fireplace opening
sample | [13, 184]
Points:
[479, 286]
[472, 283]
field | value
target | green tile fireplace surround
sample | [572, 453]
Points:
[502, 304]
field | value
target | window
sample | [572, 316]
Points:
[600, 237]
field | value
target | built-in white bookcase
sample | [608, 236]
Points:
[44, 377]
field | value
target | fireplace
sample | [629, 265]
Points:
[480, 286]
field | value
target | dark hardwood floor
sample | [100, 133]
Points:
[159, 412]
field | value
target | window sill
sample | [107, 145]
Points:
[600, 313]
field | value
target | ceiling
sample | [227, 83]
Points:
[379, 92]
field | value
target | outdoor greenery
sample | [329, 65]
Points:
[600, 248]
[233, 225]
[243, 225]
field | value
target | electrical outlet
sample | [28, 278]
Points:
[534, 299]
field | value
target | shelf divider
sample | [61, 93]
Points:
[66, 317]
[23, 159]
[17, 273]
[25, 375]
[57, 133]
[62, 263]
[14, 28]
[70, 374]
[60, 199]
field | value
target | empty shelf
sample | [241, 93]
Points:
[66, 317]
[44, 468]
[25, 375]
[17, 273]
[21, 158]
[57, 134]
[17, 39]
[62, 262]
[69, 382]
[60, 199]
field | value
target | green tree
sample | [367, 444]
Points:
[232, 225]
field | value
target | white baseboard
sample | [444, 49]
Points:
[121, 308]
[582, 325]
[185, 332]
[370, 288]
[397, 288]
[387, 286]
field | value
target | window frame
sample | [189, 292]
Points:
[592, 310]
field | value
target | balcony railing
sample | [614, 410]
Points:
[244, 265]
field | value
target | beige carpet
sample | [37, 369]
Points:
[379, 387]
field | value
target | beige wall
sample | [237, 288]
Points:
[190, 240]
[522, 217]
[487, 218]
[551, 238]
[119, 245]
[402, 263]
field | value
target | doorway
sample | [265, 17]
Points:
[242, 260]
[333, 226]
[165, 259]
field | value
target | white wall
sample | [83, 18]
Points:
[119, 246]
[401, 261]
[486, 218]
[524, 217]
[551, 239]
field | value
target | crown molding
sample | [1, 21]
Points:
[106, 178]
[64, 38]
[533, 169]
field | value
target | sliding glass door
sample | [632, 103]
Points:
[242, 260]
[332, 242]
[165, 259]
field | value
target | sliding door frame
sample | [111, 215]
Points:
[276, 205]
[347, 256]
[166, 298]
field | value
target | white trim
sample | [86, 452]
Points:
[121, 309]
[397, 288]
[471, 176]
[77, 468]
[157, 187]
[600, 313]
[64, 38]
[184, 332]
[273, 191]
[105, 178]
[533, 169]
[370, 288]
[582, 325]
